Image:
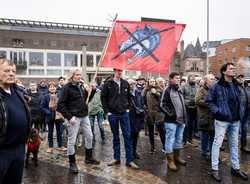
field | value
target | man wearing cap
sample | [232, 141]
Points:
[115, 100]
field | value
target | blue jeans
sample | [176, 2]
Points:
[123, 120]
[232, 129]
[244, 128]
[207, 139]
[174, 136]
[100, 121]
[58, 125]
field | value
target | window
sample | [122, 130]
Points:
[90, 61]
[234, 60]
[233, 50]
[98, 57]
[3, 54]
[225, 60]
[70, 59]
[54, 59]
[225, 51]
[54, 72]
[36, 71]
[248, 48]
[36, 59]
[247, 58]
[194, 67]
[18, 57]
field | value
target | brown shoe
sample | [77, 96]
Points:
[114, 162]
[171, 162]
[178, 158]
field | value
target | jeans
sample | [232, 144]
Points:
[244, 128]
[174, 136]
[207, 139]
[11, 164]
[232, 129]
[100, 121]
[58, 132]
[191, 127]
[123, 120]
[73, 129]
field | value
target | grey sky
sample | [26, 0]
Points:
[228, 18]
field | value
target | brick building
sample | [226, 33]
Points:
[236, 51]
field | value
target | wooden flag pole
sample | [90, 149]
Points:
[105, 47]
[103, 52]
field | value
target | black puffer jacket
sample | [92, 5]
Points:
[115, 100]
[72, 101]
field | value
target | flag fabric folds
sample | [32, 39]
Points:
[142, 46]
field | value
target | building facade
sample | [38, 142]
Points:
[47, 50]
[236, 51]
[193, 61]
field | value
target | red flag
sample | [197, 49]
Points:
[142, 46]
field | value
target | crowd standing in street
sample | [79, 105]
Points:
[180, 113]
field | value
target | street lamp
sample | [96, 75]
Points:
[207, 60]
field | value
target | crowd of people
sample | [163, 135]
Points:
[177, 110]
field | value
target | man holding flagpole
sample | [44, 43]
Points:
[115, 101]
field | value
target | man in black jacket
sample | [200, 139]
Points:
[115, 101]
[172, 104]
[14, 125]
[73, 106]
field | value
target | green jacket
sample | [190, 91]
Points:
[95, 105]
[189, 95]
[205, 117]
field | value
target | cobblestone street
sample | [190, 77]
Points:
[53, 168]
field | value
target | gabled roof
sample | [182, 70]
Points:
[194, 51]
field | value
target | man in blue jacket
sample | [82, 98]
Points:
[14, 125]
[225, 104]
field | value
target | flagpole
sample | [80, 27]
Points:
[105, 47]
[207, 59]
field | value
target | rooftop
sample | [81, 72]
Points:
[54, 27]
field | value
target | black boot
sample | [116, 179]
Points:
[244, 146]
[89, 157]
[238, 173]
[72, 164]
[216, 176]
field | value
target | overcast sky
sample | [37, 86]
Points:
[228, 18]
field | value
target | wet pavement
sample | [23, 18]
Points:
[53, 168]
